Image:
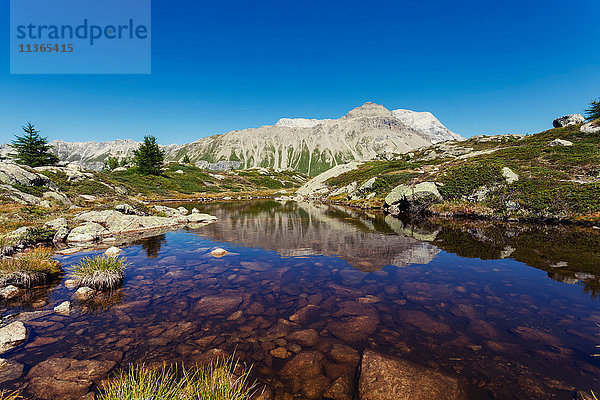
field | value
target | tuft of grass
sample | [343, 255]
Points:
[30, 268]
[215, 381]
[100, 272]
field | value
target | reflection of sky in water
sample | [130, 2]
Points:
[504, 327]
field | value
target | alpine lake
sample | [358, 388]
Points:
[506, 310]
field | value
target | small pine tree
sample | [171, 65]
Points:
[111, 163]
[186, 159]
[149, 158]
[32, 149]
[123, 162]
[593, 112]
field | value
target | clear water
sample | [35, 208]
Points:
[509, 309]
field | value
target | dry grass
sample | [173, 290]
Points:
[100, 272]
[4, 395]
[29, 268]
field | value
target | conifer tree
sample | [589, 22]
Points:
[593, 112]
[31, 149]
[149, 158]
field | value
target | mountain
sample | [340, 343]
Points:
[426, 123]
[310, 146]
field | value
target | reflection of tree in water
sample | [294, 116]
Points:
[152, 245]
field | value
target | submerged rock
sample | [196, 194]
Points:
[66, 378]
[390, 378]
[214, 305]
[12, 335]
[10, 370]
[218, 252]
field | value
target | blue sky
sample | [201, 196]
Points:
[480, 67]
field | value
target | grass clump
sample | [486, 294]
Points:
[215, 381]
[31, 268]
[100, 272]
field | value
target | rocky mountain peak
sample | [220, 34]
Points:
[369, 110]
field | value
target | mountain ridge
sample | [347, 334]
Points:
[310, 146]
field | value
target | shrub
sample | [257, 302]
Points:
[215, 381]
[100, 272]
[30, 268]
[463, 180]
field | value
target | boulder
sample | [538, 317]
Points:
[413, 198]
[84, 293]
[218, 252]
[58, 197]
[61, 234]
[113, 252]
[560, 142]
[571, 119]
[88, 232]
[57, 223]
[509, 175]
[591, 127]
[384, 377]
[10, 292]
[13, 174]
[63, 308]
[12, 335]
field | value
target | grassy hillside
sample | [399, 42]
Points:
[560, 182]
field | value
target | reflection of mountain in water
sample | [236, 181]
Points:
[304, 229]
[369, 242]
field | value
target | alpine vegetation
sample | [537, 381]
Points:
[215, 381]
[31, 268]
[100, 272]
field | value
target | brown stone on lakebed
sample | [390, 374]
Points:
[357, 322]
[306, 314]
[304, 365]
[341, 389]
[214, 305]
[66, 378]
[390, 378]
[305, 338]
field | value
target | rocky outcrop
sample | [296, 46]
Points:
[100, 224]
[384, 377]
[571, 119]
[591, 127]
[317, 186]
[412, 198]
[509, 175]
[560, 143]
